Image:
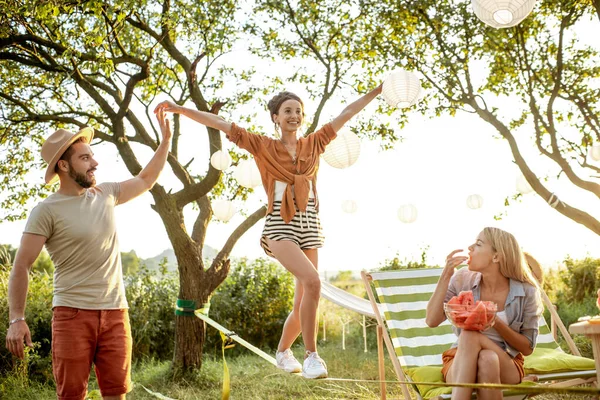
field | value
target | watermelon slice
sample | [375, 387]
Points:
[491, 309]
[466, 298]
[477, 318]
[454, 300]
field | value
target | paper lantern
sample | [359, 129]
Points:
[595, 152]
[407, 213]
[221, 160]
[502, 13]
[401, 89]
[223, 210]
[349, 206]
[343, 151]
[474, 201]
[523, 186]
[247, 174]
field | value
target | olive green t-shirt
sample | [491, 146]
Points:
[83, 245]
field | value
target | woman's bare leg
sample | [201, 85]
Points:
[294, 260]
[474, 350]
[291, 327]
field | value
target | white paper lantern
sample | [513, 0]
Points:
[401, 89]
[221, 160]
[343, 151]
[349, 206]
[523, 186]
[595, 152]
[474, 201]
[223, 210]
[407, 213]
[247, 174]
[502, 13]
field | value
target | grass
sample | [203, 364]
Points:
[251, 378]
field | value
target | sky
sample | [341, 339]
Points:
[436, 167]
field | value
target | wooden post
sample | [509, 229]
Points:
[560, 324]
[343, 335]
[553, 324]
[386, 337]
[381, 361]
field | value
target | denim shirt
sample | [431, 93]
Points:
[521, 307]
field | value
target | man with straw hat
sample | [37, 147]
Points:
[90, 322]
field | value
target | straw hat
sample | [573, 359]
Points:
[55, 146]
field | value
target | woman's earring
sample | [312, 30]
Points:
[277, 133]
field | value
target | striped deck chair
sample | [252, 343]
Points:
[416, 349]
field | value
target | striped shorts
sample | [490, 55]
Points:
[304, 229]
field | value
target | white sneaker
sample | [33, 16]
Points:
[314, 366]
[287, 362]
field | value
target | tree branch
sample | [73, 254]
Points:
[573, 213]
[204, 216]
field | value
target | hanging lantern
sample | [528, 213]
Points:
[474, 201]
[401, 89]
[502, 13]
[220, 160]
[407, 213]
[223, 210]
[343, 151]
[247, 174]
[595, 152]
[523, 186]
[349, 206]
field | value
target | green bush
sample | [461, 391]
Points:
[39, 316]
[254, 302]
[573, 290]
[581, 279]
[396, 263]
[152, 296]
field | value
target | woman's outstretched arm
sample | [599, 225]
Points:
[205, 118]
[354, 108]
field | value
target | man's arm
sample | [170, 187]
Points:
[144, 181]
[29, 249]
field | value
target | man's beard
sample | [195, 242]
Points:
[82, 179]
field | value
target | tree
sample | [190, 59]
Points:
[130, 262]
[98, 64]
[326, 40]
[548, 76]
[68, 64]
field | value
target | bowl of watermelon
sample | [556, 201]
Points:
[465, 313]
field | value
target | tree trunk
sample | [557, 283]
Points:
[189, 344]
[189, 333]
[193, 285]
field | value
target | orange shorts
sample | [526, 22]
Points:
[448, 358]
[82, 337]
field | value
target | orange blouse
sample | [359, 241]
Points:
[276, 164]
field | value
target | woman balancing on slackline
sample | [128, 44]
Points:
[292, 234]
